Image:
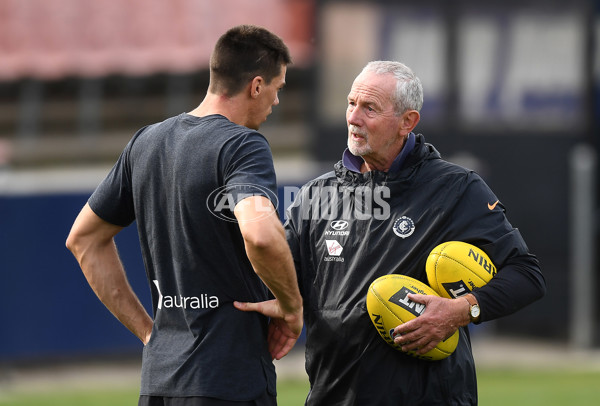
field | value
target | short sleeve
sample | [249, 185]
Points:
[112, 200]
[248, 168]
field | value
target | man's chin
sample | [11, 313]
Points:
[357, 151]
[253, 126]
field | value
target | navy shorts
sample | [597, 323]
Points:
[264, 400]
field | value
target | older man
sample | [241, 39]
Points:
[387, 204]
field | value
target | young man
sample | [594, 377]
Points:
[388, 203]
[202, 189]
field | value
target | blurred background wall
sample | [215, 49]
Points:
[511, 89]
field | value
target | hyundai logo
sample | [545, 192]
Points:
[339, 225]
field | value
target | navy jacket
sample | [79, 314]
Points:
[346, 229]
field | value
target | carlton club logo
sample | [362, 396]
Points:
[222, 201]
[404, 227]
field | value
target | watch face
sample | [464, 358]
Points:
[475, 311]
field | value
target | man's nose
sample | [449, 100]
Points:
[354, 116]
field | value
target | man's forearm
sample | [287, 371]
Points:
[105, 274]
[274, 265]
[268, 251]
[91, 241]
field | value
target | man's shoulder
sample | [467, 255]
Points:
[434, 165]
[326, 176]
[321, 180]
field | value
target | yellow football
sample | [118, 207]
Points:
[455, 268]
[389, 306]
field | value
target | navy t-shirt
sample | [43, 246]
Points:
[180, 180]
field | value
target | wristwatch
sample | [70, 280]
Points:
[474, 310]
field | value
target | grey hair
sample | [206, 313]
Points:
[409, 90]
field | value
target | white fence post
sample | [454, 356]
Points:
[583, 236]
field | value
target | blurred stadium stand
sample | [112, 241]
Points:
[510, 88]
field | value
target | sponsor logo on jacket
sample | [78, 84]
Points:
[334, 251]
[338, 227]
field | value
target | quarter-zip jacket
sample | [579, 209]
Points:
[346, 229]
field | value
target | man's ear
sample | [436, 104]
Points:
[409, 121]
[256, 86]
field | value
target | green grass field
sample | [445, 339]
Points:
[496, 387]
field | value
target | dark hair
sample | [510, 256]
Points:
[242, 53]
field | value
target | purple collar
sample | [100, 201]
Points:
[354, 163]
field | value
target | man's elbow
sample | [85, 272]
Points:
[73, 242]
[78, 241]
[541, 285]
[261, 239]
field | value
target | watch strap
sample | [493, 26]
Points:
[473, 303]
[471, 299]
